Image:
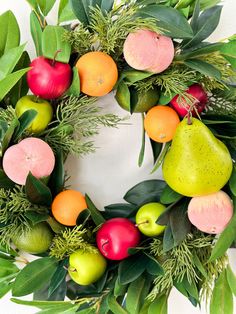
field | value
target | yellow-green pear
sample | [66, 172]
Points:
[197, 162]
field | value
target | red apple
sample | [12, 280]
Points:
[182, 108]
[116, 236]
[49, 79]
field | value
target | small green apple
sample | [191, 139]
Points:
[36, 240]
[86, 268]
[146, 218]
[43, 108]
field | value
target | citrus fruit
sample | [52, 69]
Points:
[30, 155]
[140, 101]
[98, 73]
[67, 206]
[160, 123]
[36, 240]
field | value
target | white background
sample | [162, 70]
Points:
[109, 173]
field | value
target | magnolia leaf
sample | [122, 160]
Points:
[204, 68]
[131, 268]
[120, 210]
[168, 239]
[45, 304]
[74, 89]
[58, 276]
[133, 76]
[231, 279]
[228, 50]
[10, 32]
[46, 6]
[156, 149]
[36, 33]
[9, 134]
[25, 120]
[34, 276]
[96, 215]
[57, 178]
[5, 288]
[114, 306]
[35, 217]
[53, 42]
[65, 14]
[159, 305]
[169, 196]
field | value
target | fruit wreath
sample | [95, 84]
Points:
[127, 257]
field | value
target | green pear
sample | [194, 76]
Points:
[197, 162]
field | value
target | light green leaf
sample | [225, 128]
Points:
[34, 276]
[204, 68]
[231, 279]
[36, 33]
[228, 50]
[96, 215]
[135, 295]
[142, 149]
[10, 81]
[74, 89]
[232, 181]
[7, 267]
[169, 196]
[9, 133]
[159, 305]
[5, 287]
[45, 304]
[65, 13]
[222, 298]
[9, 60]
[25, 120]
[114, 306]
[10, 32]
[52, 42]
[46, 6]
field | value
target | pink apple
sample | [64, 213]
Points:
[30, 155]
[211, 213]
[182, 108]
[116, 236]
[49, 79]
[148, 51]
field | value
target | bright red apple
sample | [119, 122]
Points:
[116, 236]
[49, 79]
[182, 108]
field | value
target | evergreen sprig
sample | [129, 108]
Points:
[7, 114]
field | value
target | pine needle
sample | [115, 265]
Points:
[68, 241]
[7, 114]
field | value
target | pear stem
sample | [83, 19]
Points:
[142, 223]
[55, 55]
[189, 117]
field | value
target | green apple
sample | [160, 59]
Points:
[146, 218]
[36, 240]
[43, 108]
[86, 268]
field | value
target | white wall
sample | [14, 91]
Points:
[109, 173]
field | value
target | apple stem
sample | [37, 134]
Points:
[55, 55]
[141, 223]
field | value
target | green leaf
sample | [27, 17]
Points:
[53, 41]
[7, 267]
[36, 33]
[131, 268]
[35, 217]
[133, 76]
[168, 239]
[37, 192]
[58, 294]
[114, 306]
[165, 99]
[25, 120]
[231, 278]
[145, 192]
[153, 267]
[228, 50]
[169, 196]
[205, 25]
[34, 276]
[161, 157]
[58, 276]
[57, 178]
[142, 149]
[74, 89]
[156, 149]
[46, 6]
[198, 52]
[172, 21]
[5, 288]
[10, 32]
[222, 298]
[65, 13]
[9, 133]
[45, 304]
[9, 60]
[204, 68]
[159, 305]
[232, 181]
[10, 81]
[5, 182]
[120, 210]
[95, 213]
[21, 88]
[191, 288]
[119, 289]
[225, 239]
[199, 265]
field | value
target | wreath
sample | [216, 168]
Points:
[168, 233]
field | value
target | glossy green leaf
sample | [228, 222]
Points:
[165, 99]
[204, 68]
[131, 268]
[55, 225]
[198, 52]
[37, 192]
[133, 76]
[57, 178]
[74, 89]
[7, 267]
[222, 298]
[62, 310]
[10, 32]
[145, 192]
[156, 149]
[231, 278]
[161, 157]
[8, 135]
[95, 213]
[205, 25]
[153, 267]
[119, 289]
[25, 120]
[10, 81]
[53, 41]
[169, 196]
[45, 304]
[35, 217]
[232, 181]
[172, 21]
[9, 60]
[191, 288]
[120, 210]
[5, 182]
[228, 50]
[46, 6]
[58, 294]
[168, 239]
[5, 287]
[58, 276]
[33, 276]
[36, 33]
[114, 306]
[225, 239]
[159, 305]
[65, 13]
[199, 265]
[142, 149]
[21, 88]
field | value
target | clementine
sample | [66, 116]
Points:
[98, 73]
[160, 123]
[67, 206]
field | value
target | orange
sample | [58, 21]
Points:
[98, 73]
[160, 123]
[67, 206]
